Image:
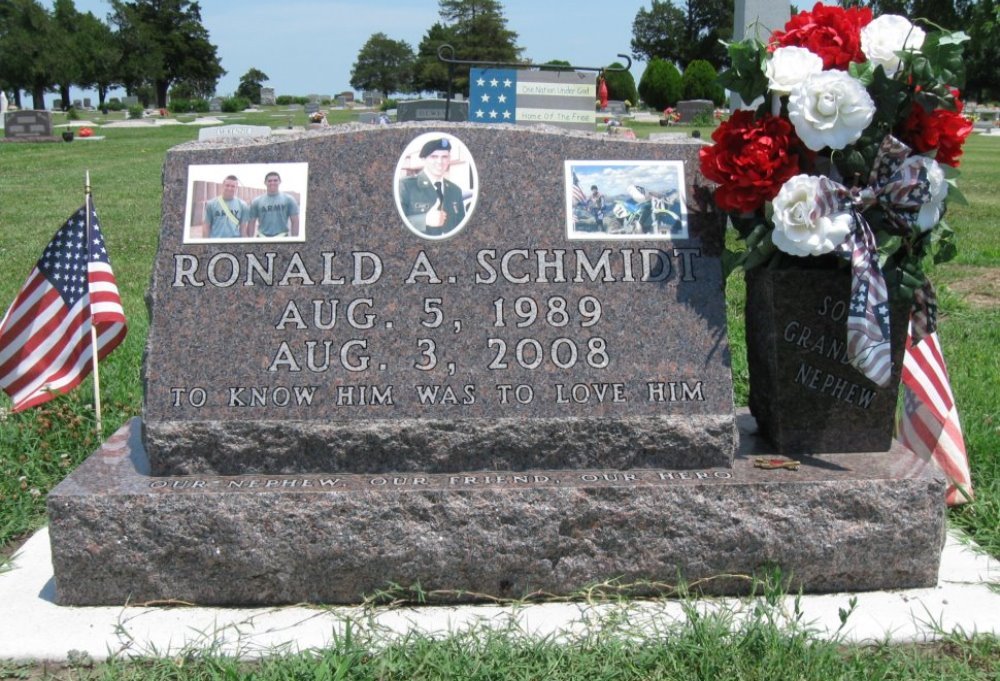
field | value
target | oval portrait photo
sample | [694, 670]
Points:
[436, 186]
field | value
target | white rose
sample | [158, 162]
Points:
[800, 227]
[789, 66]
[885, 36]
[931, 212]
[830, 109]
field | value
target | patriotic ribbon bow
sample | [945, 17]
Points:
[900, 188]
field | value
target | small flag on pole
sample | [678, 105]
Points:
[929, 422]
[45, 337]
[578, 195]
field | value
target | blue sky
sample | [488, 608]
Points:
[309, 46]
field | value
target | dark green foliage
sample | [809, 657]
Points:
[385, 65]
[660, 85]
[235, 104]
[682, 33]
[621, 84]
[700, 81]
[477, 30]
[250, 84]
[164, 41]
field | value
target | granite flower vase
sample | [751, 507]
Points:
[804, 393]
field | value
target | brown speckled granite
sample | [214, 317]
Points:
[222, 338]
[841, 522]
[803, 392]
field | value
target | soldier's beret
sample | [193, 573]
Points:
[440, 144]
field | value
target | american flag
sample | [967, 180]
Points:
[45, 339]
[929, 424]
[578, 195]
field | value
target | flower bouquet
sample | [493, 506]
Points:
[846, 165]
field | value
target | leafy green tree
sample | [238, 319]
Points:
[660, 85]
[100, 56]
[681, 35]
[429, 73]
[621, 84]
[700, 82]
[26, 60]
[477, 29]
[982, 52]
[164, 41]
[555, 65]
[250, 84]
[658, 33]
[385, 65]
[67, 47]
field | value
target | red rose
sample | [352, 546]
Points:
[751, 159]
[834, 33]
[939, 129]
[86, 132]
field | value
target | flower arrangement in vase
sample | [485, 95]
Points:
[846, 165]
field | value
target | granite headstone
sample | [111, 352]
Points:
[514, 342]
[267, 96]
[233, 131]
[432, 110]
[27, 124]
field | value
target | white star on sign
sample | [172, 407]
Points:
[494, 83]
[507, 82]
[493, 114]
[481, 82]
[479, 113]
[506, 115]
[486, 98]
[502, 98]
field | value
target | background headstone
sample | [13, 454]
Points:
[233, 131]
[132, 100]
[432, 110]
[267, 96]
[215, 104]
[57, 104]
[691, 109]
[27, 123]
[3, 109]
[87, 103]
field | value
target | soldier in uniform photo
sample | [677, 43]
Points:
[226, 216]
[430, 201]
[274, 214]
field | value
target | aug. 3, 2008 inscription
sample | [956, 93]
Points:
[496, 331]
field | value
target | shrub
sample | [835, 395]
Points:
[135, 111]
[235, 104]
[180, 104]
[72, 114]
[621, 84]
[660, 85]
[700, 82]
[115, 104]
[284, 100]
[387, 104]
[200, 105]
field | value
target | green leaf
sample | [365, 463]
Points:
[864, 72]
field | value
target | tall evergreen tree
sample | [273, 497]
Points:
[477, 29]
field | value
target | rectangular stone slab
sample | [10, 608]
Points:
[840, 522]
[507, 346]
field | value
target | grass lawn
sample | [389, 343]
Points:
[41, 184]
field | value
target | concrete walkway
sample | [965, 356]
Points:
[32, 627]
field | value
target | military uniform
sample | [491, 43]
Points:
[418, 195]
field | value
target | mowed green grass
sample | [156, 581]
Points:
[41, 184]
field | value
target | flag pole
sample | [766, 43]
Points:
[93, 329]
